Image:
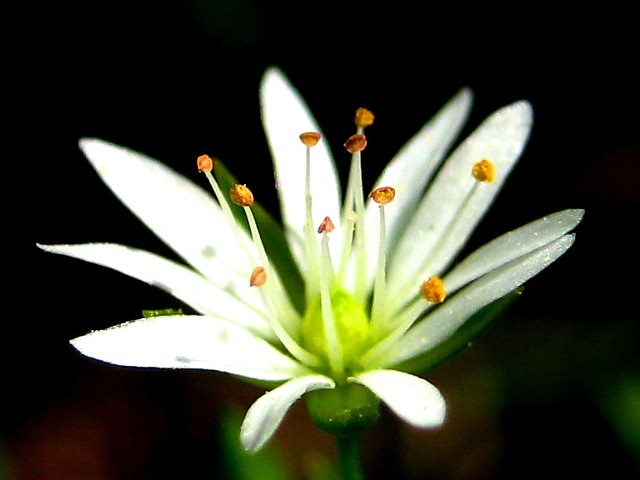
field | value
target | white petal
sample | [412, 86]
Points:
[410, 170]
[512, 245]
[447, 210]
[285, 115]
[413, 399]
[189, 341]
[450, 315]
[181, 282]
[266, 414]
[181, 213]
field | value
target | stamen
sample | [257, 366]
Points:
[433, 290]
[326, 265]
[310, 139]
[364, 118]
[241, 195]
[205, 164]
[355, 198]
[258, 277]
[204, 161]
[280, 311]
[326, 226]
[284, 319]
[383, 195]
[355, 143]
[484, 171]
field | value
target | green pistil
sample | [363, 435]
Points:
[352, 328]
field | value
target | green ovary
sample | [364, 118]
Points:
[352, 327]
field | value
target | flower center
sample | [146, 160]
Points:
[351, 327]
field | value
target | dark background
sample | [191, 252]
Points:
[551, 390]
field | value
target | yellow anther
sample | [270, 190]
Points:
[241, 195]
[433, 290]
[326, 226]
[258, 277]
[355, 143]
[383, 195]
[364, 118]
[484, 171]
[205, 163]
[310, 139]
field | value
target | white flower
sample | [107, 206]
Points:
[360, 319]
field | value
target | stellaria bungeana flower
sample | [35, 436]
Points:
[347, 302]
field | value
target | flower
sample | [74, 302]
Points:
[347, 302]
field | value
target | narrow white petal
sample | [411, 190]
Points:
[285, 115]
[447, 215]
[512, 245]
[410, 170]
[181, 213]
[450, 315]
[189, 341]
[413, 399]
[219, 299]
[266, 414]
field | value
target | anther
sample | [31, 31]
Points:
[383, 195]
[433, 290]
[205, 164]
[310, 139]
[326, 226]
[364, 118]
[241, 195]
[258, 277]
[355, 143]
[484, 171]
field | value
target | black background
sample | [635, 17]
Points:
[535, 396]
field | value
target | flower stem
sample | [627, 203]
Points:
[349, 457]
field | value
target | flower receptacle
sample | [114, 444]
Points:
[345, 410]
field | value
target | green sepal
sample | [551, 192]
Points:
[462, 338]
[273, 238]
[346, 410]
[161, 313]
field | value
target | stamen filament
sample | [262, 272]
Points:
[348, 226]
[228, 214]
[404, 320]
[379, 281]
[360, 286]
[226, 209]
[348, 222]
[284, 311]
[312, 272]
[354, 200]
[231, 220]
[334, 349]
[390, 306]
[302, 355]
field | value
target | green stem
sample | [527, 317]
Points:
[349, 457]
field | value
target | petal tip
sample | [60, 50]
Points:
[579, 214]
[86, 143]
[526, 108]
[465, 93]
[273, 77]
